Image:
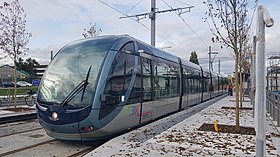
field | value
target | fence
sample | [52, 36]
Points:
[273, 106]
[7, 95]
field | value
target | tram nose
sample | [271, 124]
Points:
[56, 114]
[59, 123]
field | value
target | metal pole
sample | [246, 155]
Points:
[276, 83]
[267, 78]
[253, 75]
[260, 90]
[209, 58]
[271, 76]
[153, 22]
[263, 18]
[219, 66]
[51, 55]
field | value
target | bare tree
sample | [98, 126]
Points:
[92, 31]
[244, 65]
[3, 57]
[230, 27]
[13, 33]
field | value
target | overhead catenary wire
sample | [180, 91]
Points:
[125, 14]
[222, 59]
[133, 7]
[181, 2]
[186, 24]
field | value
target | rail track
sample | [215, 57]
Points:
[28, 138]
[16, 118]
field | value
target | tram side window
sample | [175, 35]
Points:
[128, 48]
[198, 81]
[193, 80]
[220, 83]
[173, 74]
[207, 82]
[224, 83]
[143, 47]
[136, 92]
[147, 86]
[161, 80]
[120, 75]
[166, 80]
[215, 83]
[186, 82]
[117, 82]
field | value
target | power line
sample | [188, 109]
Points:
[187, 24]
[180, 10]
[223, 59]
[123, 13]
[182, 2]
[133, 7]
[140, 23]
[255, 7]
[152, 16]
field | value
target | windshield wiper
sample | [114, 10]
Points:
[76, 90]
[85, 84]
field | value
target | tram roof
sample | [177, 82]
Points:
[154, 51]
[169, 56]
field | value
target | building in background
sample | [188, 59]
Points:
[40, 69]
[7, 74]
[273, 72]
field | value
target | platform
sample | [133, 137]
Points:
[10, 114]
[178, 135]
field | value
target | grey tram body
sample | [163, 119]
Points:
[135, 84]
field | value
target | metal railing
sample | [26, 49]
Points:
[273, 106]
[7, 96]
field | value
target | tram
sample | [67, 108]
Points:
[96, 88]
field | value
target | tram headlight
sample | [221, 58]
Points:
[54, 116]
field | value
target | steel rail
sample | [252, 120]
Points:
[16, 118]
[26, 148]
[20, 132]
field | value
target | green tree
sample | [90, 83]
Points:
[193, 58]
[28, 65]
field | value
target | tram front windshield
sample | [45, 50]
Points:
[75, 66]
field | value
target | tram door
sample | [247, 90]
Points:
[147, 103]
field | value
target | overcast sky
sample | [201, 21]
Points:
[54, 23]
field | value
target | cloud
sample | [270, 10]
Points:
[55, 23]
[43, 55]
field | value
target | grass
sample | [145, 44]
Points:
[20, 90]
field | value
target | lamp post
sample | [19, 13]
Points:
[263, 19]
